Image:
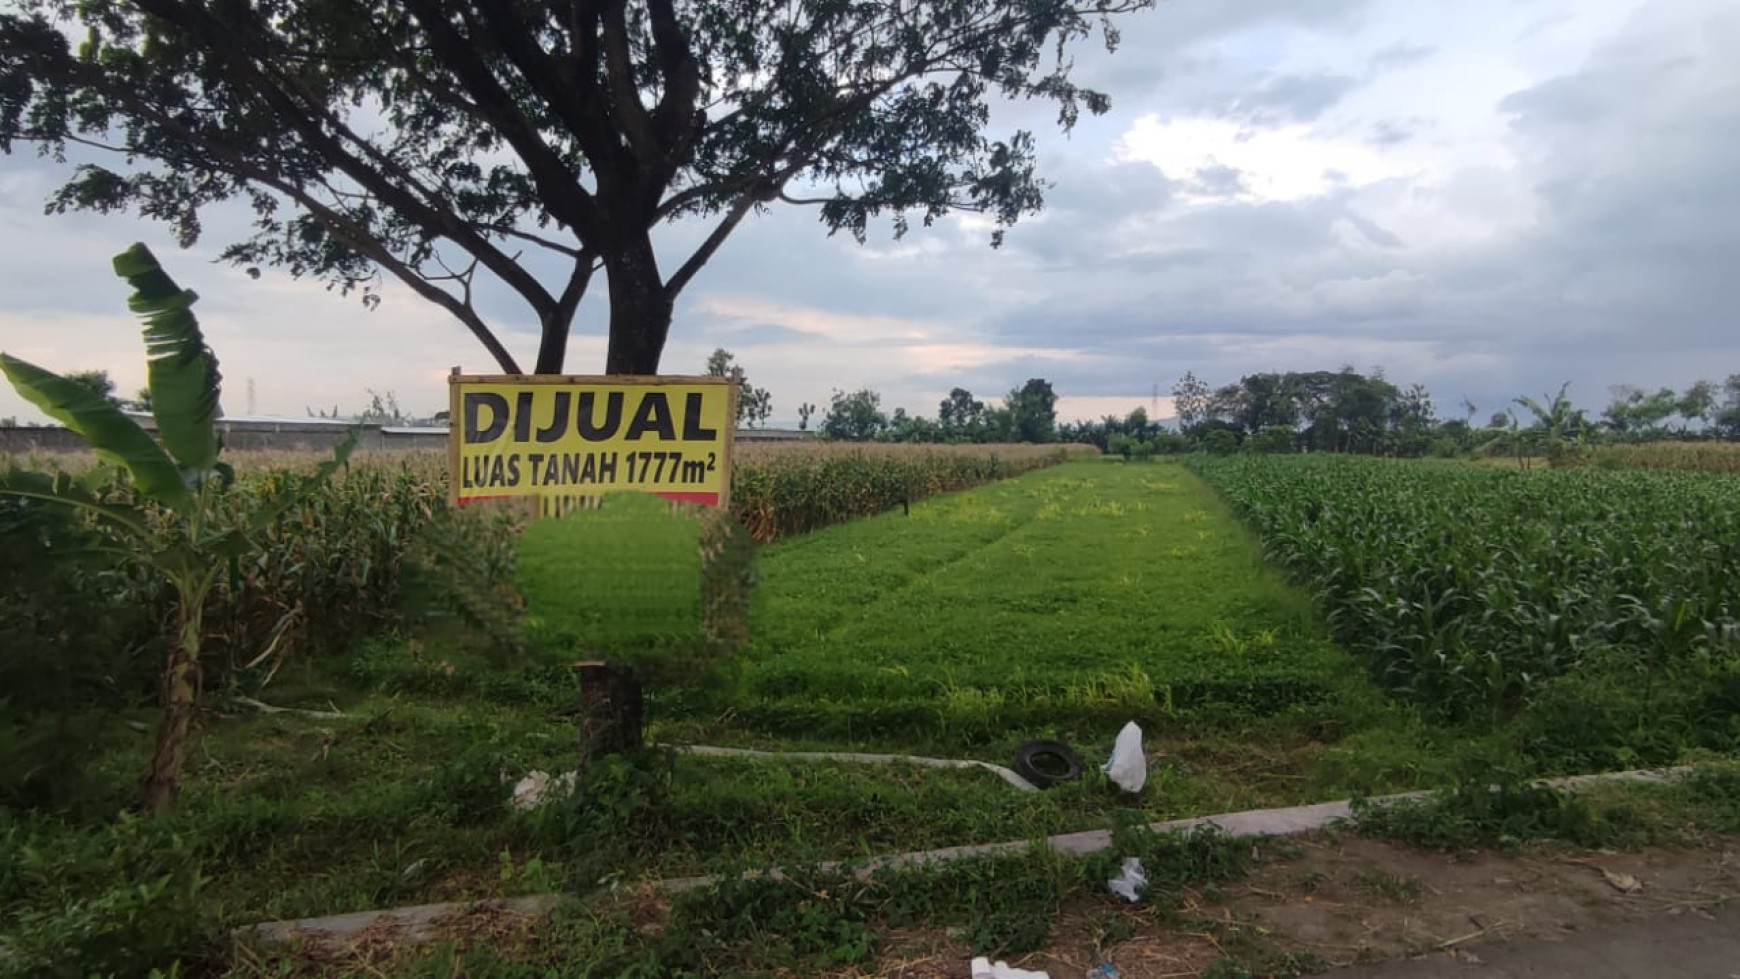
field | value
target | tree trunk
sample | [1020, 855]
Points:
[181, 678]
[640, 311]
[610, 711]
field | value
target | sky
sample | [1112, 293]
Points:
[1489, 198]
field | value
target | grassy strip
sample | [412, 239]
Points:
[1510, 813]
[809, 919]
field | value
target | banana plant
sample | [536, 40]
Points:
[172, 521]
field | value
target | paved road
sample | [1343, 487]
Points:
[1686, 946]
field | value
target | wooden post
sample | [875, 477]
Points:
[611, 706]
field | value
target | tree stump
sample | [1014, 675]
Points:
[611, 707]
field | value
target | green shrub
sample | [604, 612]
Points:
[1274, 440]
[118, 900]
[1220, 442]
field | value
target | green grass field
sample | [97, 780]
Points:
[1068, 601]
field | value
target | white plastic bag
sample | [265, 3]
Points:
[983, 968]
[1128, 768]
[539, 787]
[1129, 884]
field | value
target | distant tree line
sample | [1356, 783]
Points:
[1313, 411]
[1027, 414]
[1347, 411]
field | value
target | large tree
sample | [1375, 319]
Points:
[1032, 409]
[854, 417]
[434, 140]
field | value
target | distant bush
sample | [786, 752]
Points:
[1274, 440]
[1220, 442]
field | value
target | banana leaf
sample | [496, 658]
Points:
[72, 491]
[116, 438]
[182, 371]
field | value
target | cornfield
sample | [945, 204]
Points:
[1472, 589]
[335, 566]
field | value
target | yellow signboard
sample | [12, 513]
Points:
[568, 440]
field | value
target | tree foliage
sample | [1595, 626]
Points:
[1032, 412]
[754, 404]
[434, 140]
[854, 417]
[97, 382]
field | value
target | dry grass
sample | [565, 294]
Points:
[1718, 457]
[433, 462]
[750, 453]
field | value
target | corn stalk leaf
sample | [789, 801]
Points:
[116, 438]
[270, 508]
[181, 369]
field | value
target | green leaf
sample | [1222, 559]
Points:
[116, 438]
[67, 490]
[182, 370]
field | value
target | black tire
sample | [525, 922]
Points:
[1047, 763]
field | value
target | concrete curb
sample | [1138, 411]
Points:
[419, 923]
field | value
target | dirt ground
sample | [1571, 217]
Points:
[1321, 902]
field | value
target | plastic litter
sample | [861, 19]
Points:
[1128, 767]
[1129, 884]
[539, 787]
[1105, 970]
[984, 968]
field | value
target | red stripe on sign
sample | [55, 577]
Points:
[482, 499]
[709, 499]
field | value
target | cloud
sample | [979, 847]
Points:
[1489, 198]
[1218, 180]
[1286, 99]
[1399, 56]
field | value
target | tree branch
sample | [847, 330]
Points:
[573, 99]
[221, 42]
[358, 239]
[557, 185]
[721, 231]
[631, 115]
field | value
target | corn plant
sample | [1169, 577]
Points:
[175, 519]
[803, 488]
[1468, 588]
